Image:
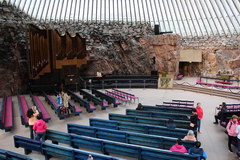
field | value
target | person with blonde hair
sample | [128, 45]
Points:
[190, 136]
[32, 114]
[65, 98]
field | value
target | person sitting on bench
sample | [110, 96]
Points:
[190, 136]
[219, 114]
[139, 107]
[178, 147]
[196, 150]
[170, 124]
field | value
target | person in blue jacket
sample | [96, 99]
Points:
[59, 100]
[196, 150]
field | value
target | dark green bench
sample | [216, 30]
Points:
[126, 137]
[139, 128]
[147, 120]
[157, 114]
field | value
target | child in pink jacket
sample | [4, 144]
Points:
[231, 129]
[178, 147]
[40, 128]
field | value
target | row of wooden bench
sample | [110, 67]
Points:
[8, 155]
[217, 85]
[76, 110]
[6, 114]
[113, 137]
[126, 143]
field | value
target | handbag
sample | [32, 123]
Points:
[192, 124]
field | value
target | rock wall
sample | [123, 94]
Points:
[111, 48]
[219, 54]
[13, 61]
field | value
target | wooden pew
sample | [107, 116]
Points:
[139, 128]
[178, 104]
[162, 108]
[6, 121]
[147, 120]
[8, 155]
[126, 137]
[23, 108]
[114, 95]
[183, 101]
[226, 116]
[156, 114]
[2, 112]
[175, 107]
[103, 96]
[37, 102]
[127, 95]
[76, 110]
[89, 107]
[53, 150]
[54, 106]
[94, 99]
[111, 147]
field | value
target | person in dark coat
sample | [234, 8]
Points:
[193, 121]
[139, 107]
[196, 150]
[219, 114]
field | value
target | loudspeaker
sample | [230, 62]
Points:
[156, 29]
[154, 73]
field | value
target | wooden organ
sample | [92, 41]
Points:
[50, 51]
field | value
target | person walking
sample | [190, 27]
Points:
[40, 128]
[200, 116]
[238, 139]
[231, 130]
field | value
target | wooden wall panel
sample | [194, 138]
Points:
[49, 50]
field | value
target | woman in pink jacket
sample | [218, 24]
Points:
[231, 129]
[40, 128]
[178, 147]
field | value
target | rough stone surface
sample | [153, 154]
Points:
[13, 61]
[219, 54]
[111, 49]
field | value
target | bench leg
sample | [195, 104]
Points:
[105, 153]
[27, 151]
[73, 146]
[47, 157]
[54, 142]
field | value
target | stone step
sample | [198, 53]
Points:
[207, 91]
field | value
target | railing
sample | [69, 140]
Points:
[208, 87]
[138, 81]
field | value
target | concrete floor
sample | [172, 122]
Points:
[213, 138]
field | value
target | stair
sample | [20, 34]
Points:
[207, 91]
